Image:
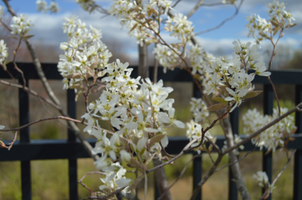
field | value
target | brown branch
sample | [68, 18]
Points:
[180, 175]
[195, 8]
[278, 176]
[32, 92]
[248, 138]
[224, 21]
[81, 180]
[206, 177]
[275, 94]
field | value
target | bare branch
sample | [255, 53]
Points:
[248, 138]
[195, 8]
[224, 21]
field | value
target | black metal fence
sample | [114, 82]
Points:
[26, 150]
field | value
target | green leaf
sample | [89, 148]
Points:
[156, 138]
[135, 25]
[26, 37]
[220, 100]
[217, 106]
[252, 94]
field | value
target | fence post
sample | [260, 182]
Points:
[24, 138]
[267, 160]
[298, 156]
[72, 163]
[234, 117]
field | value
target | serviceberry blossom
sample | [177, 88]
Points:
[180, 27]
[20, 25]
[272, 137]
[199, 110]
[262, 29]
[263, 181]
[85, 54]
[3, 51]
[232, 75]
[87, 5]
[166, 57]
[54, 7]
[41, 5]
[194, 132]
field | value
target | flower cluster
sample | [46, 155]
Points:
[199, 59]
[199, 109]
[272, 137]
[263, 181]
[88, 5]
[42, 6]
[85, 54]
[167, 58]
[20, 25]
[138, 110]
[266, 29]
[194, 131]
[180, 27]
[3, 51]
[232, 77]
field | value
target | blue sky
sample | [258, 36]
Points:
[48, 27]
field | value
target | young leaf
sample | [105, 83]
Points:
[220, 100]
[156, 138]
[217, 106]
[252, 94]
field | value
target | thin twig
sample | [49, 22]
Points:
[224, 21]
[268, 191]
[275, 93]
[235, 161]
[195, 8]
[81, 180]
[180, 175]
[248, 138]
[30, 91]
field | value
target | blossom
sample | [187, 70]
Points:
[41, 5]
[262, 178]
[54, 7]
[20, 25]
[3, 51]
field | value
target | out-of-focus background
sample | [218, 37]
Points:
[50, 178]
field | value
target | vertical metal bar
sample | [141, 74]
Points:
[72, 163]
[197, 162]
[298, 155]
[24, 138]
[234, 117]
[268, 104]
[197, 174]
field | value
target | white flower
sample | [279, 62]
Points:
[41, 5]
[262, 178]
[3, 51]
[20, 25]
[54, 7]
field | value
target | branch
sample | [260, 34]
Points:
[224, 21]
[206, 177]
[235, 168]
[248, 138]
[26, 89]
[195, 8]
[278, 176]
